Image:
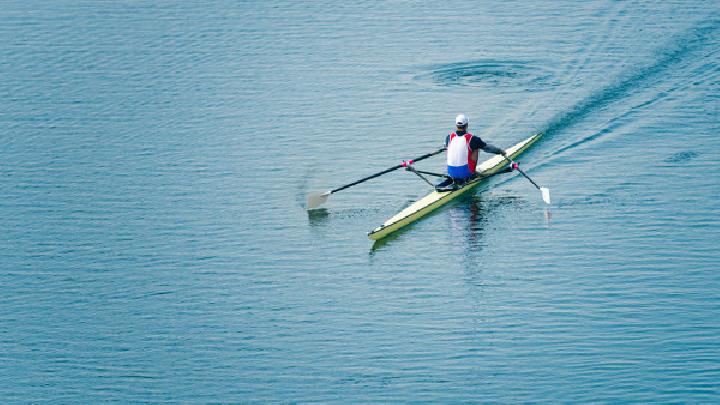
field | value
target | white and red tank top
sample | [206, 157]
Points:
[459, 157]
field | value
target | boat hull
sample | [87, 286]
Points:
[437, 199]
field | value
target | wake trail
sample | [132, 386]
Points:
[670, 56]
[618, 120]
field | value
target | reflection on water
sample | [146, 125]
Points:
[548, 217]
[318, 216]
[467, 217]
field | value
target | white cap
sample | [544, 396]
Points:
[461, 120]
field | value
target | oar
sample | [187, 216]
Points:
[316, 199]
[545, 191]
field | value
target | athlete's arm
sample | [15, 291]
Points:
[493, 149]
[477, 143]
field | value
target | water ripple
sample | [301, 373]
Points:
[488, 73]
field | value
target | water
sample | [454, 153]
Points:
[156, 156]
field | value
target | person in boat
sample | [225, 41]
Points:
[462, 155]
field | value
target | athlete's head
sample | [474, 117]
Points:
[461, 121]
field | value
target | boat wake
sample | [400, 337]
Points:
[674, 56]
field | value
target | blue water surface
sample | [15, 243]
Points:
[155, 157]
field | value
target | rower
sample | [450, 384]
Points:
[462, 155]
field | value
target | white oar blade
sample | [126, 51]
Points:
[545, 194]
[317, 199]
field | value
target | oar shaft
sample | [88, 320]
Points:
[523, 173]
[528, 177]
[544, 191]
[372, 176]
[412, 169]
